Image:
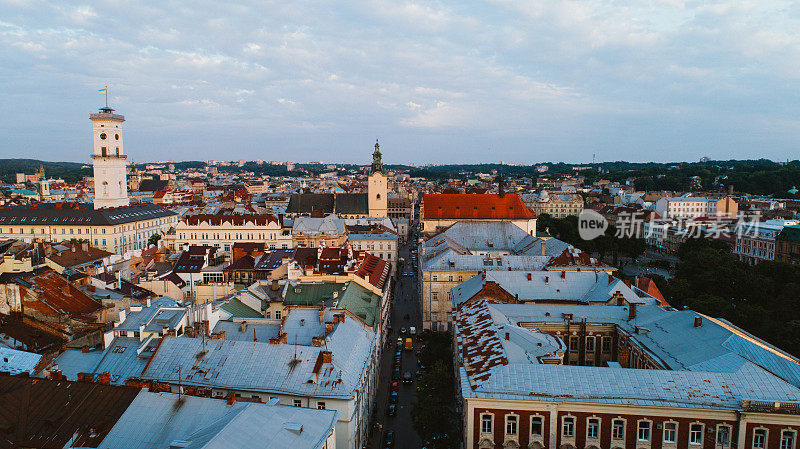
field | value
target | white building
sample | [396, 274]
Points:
[686, 207]
[223, 230]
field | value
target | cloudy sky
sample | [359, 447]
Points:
[522, 81]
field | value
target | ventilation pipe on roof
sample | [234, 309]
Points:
[563, 274]
[530, 276]
[631, 311]
[698, 321]
[546, 280]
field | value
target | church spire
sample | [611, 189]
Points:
[377, 163]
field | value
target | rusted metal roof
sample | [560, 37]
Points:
[57, 296]
[48, 414]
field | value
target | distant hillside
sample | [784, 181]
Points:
[69, 171]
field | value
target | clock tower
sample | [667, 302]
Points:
[108, 161]
[377, 188]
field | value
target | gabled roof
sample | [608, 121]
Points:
[488, 206]
[374, 269]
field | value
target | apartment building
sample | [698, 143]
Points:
[686, 207]
[618, 374]
[468, 248]
[555, 204]
[756, 241]
[224, 230]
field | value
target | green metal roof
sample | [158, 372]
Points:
[362, 302]
[316, 294]
[351, 296]
[240, 310]
[790, 233]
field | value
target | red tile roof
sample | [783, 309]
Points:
[374, 269]
[445, 206]
[648, 286]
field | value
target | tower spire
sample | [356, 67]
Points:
[377, 163]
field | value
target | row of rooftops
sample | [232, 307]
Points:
[39, 410]
[705, 362]
[79, 214]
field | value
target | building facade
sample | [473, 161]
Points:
[224, 230]
[756, 241]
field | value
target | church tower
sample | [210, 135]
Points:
[108, 161]
[377, 189]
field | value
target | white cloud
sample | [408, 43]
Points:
[558, 70]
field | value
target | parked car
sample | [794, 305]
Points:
[388, 439]
[403, 331]
[412, 330]
[407, 377]
[393, 396]
[391, 410]
[394, 386]
[396, 374]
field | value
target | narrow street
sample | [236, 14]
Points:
[404, 304]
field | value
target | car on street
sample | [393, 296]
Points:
[391, 410]
[396, 374]
[407, 377]
[394, 386]
[412, 330]
[388, 439]
[393, 396]
[403, 331]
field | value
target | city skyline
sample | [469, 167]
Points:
[437, 82]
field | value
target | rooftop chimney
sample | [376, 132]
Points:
[698, 321]
[631, 311]
[529, 276]
[543, 248]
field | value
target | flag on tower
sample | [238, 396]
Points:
[103, 90]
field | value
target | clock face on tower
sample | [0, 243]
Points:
[116, 136]
[103, 136]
